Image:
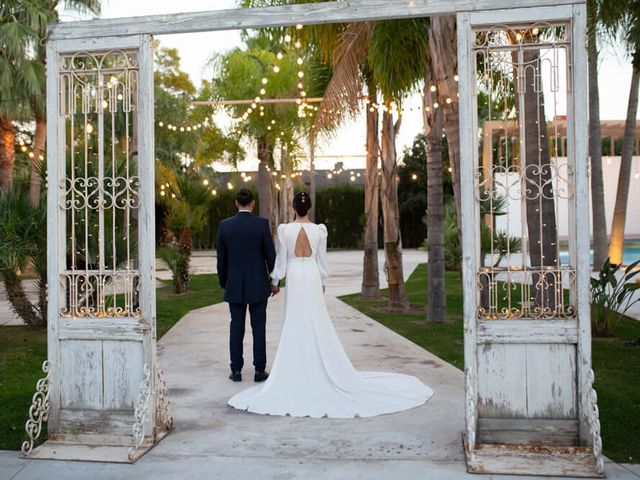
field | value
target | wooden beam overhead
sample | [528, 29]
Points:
[306, 14]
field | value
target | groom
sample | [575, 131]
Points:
[245, 258]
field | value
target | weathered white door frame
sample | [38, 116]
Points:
[94, 34]
[572, 331]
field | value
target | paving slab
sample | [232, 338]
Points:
[213, 440]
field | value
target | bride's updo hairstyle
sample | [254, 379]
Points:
[301, 203]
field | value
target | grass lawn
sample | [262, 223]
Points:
[22, 351]
[616, 365]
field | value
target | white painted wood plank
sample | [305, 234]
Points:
[146, 220]
[81, 374]
[583, 269]
[494, 17]
[558, 461]
[316, 13]
[56, 231]
[95, 427]
[103, 329]
[123, 372]
[551, 381]
[512, 431]
[99, 43]
[528, 331]
[467, 110]
[502, 384]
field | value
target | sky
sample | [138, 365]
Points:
[196, 49]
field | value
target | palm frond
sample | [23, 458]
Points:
[342, 96]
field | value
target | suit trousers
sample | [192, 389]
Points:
[258, 315]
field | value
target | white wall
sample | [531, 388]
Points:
[610, 167]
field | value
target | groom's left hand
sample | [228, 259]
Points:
[274, 290]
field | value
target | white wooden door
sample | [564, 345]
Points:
[527, 326]
[101, 234]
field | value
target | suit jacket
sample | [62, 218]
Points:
[246, 256]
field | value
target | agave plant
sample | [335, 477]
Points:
[612, 295]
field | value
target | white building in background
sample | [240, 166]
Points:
[507, 183]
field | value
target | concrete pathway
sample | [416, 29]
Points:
[212, 440]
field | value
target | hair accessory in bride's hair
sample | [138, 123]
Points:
[301, 203]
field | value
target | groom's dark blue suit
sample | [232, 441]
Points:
[245, 256]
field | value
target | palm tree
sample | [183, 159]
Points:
[443, 48]
[380, 50]
[21, 75]
[370, 272]
[599, 222]
[396, 58]
[622, 17]
[240, 74]
[37, 103]
[346, 49]
[433, 120]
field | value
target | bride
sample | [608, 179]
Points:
[311, 374]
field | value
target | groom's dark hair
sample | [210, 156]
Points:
[244, 197]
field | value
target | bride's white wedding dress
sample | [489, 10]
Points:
[311, 374]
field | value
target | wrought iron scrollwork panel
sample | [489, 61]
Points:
[100, 194]
[524, 186]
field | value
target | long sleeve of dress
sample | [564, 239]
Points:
[321, 254]
[280, 269]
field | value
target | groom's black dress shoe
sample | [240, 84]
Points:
[260, 376]
[235, 376]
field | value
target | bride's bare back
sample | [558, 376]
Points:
[303, 247]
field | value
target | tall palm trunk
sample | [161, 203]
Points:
[36, 164]
[624, 177]
[370, 273]
[443, 45]
[436, 296]
[7, 153]
[391, 214]
[538, 189]
[265, 184]
[286, 192]
[599, 221]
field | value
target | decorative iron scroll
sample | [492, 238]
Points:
[102, 294]
[84, 88]
[511, 293]
[524, 188]
[38, 411]
[163, 405]
[594, 423]
[100, 194]
[141, 412]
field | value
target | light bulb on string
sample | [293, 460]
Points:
[276, 68]
[279, 56]
[287, 38]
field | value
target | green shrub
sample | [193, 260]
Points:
[341, 209]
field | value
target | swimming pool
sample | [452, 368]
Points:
[630, 254]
